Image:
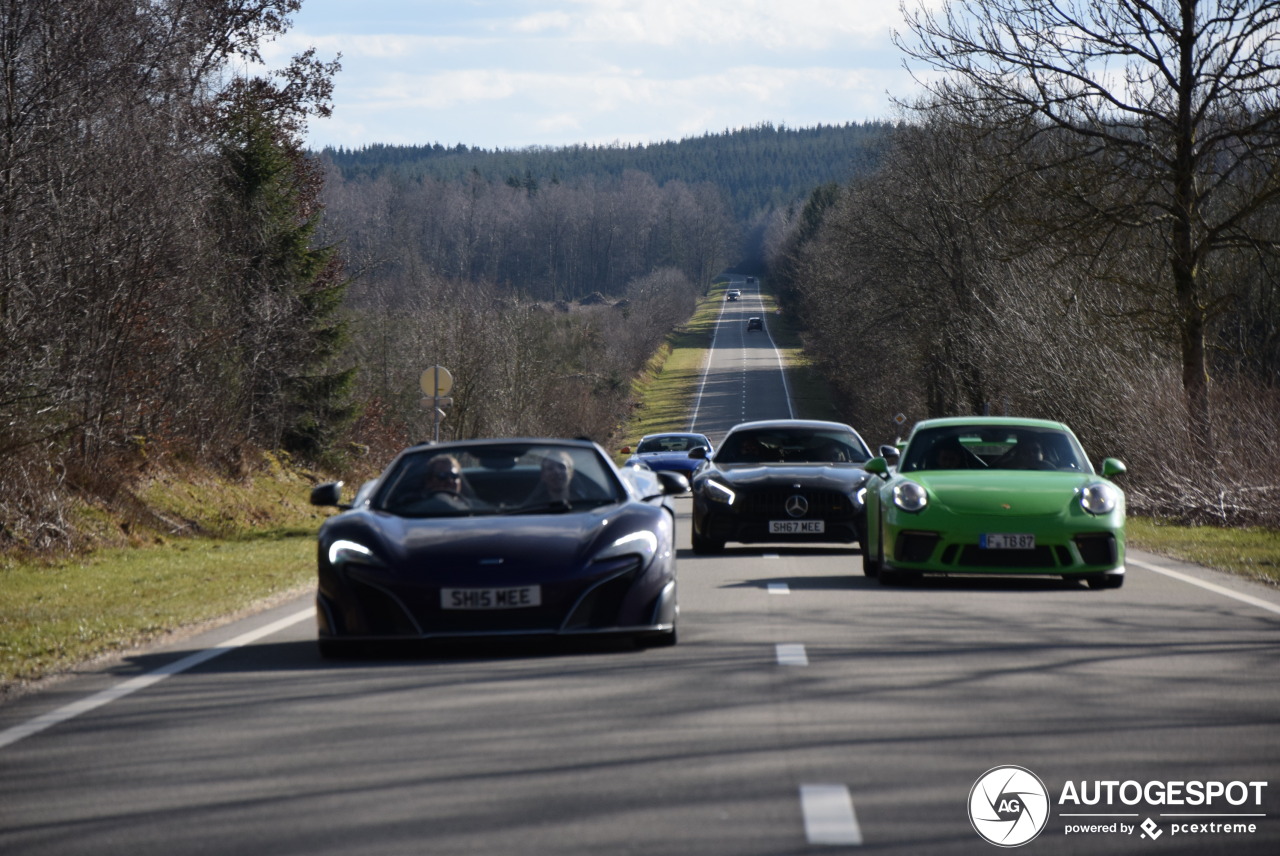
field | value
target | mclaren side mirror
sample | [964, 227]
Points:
[329, 493]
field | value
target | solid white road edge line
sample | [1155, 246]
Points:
[828, 815]
[1213, 587]
[124, 688]
[792, 655]
[706, 366]
[779, 588]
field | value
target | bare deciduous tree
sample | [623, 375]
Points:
[1167, 111]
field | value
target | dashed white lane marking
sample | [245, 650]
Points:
[779, 588]
[120, 690]
[792, 655]
[828, 815]
[1213, 587]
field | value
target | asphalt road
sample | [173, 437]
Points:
[806, 709]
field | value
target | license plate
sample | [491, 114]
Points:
[1007, 541]
[797, 527]
[491, 598]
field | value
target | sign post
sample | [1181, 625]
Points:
[436, 383]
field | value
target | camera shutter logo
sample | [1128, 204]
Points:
[1008, 806]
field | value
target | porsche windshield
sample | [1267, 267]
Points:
[519, 478]
[994, 447]
[792, 446]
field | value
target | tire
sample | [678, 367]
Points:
[706, 546]
[335, 649]
[1104, 581]
[871, 566]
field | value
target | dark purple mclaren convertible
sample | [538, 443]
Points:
[491, 538]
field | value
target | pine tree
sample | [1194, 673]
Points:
[289, 328]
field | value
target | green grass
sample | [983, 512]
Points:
[1250, 552]
[57, 614]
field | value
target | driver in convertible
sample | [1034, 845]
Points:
[443, 485]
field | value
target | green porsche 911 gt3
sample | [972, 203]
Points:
[994, 495]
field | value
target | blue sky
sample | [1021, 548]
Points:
[505, 74]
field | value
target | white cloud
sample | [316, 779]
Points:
[767, 24]
[509, 73]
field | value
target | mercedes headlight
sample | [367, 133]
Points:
[717, 492]
[910, 496]
[1099, 498]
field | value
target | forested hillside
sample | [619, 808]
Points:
[756, 169]
[545, 279]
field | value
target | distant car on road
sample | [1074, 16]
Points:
[668, 452]
[781, 480]
[995, 495]
[755, 324]
[525, 537]
[734, 293]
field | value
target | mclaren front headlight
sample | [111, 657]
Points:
[910, 496]
[346, 552]
[1099, 498]
[714, 491]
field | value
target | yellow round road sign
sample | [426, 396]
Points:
[436, 381]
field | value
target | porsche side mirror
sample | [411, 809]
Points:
[1112, 467]
[877, 466]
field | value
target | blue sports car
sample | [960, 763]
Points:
[669, 452]
[499, 538]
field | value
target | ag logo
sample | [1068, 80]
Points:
[797, 506]
[1008, 806]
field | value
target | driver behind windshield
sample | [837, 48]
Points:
[442, 483]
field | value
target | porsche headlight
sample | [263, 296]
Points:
[343, 552]
[910, 496]
[717, 492]
[1099, 498]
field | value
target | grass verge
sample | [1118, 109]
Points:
[58, 614]
[1249, 552]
